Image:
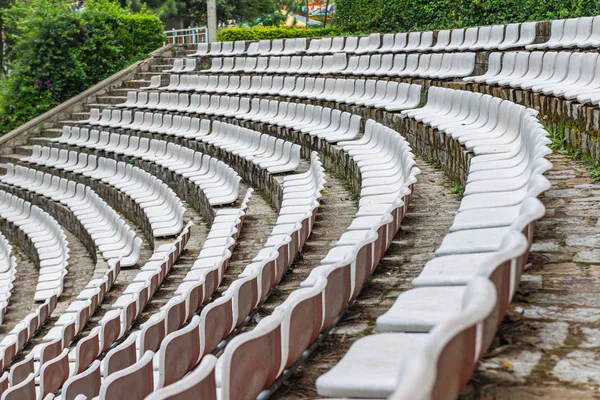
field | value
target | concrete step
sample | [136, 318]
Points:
[122, 92]
[51, 132]
[72, 121]
[24, 150]
[101, 106]
[111, 99]
[10, 158]
[42, 141]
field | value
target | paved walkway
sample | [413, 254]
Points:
[548, 345]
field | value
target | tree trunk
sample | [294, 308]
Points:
[307, 14]
[326, 9]
[2, 69]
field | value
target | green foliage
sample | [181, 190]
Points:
[365, 16]
[263, 32]
[57, 52]
[558, 137]
[239, 10]
[276, 18]
[557, 134]
[458, 190]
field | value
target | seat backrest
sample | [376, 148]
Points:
[134, 383]
[110, 328]
[442, 39]
[21, 370]
[23, 391]
[199, 384]
[121, 357]
[303, 321]
[454, 342]
[500, 268]
[217, 322]
[252, 360]
[86, 383]
[179, 353]
[87, 350]
[54, 374]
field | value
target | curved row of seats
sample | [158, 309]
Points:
[83, 372]
[333, 125]
[391, 96]
[8, 269]
[48, 239]
[323, 122]
[427, 335]
[573, 76]
[227, 313]
[218, 181]
[580, 33]
[50, 364]
[176, 351]
[253, 361]
[441, 66]
[347, 266]
[388, 95]
[274, 155]
[16, 339]
[107, 118]
[161, 205]
[21, 382]
[113, 237]
[324, 88]
[478, 38]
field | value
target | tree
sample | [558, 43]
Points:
[238, 10]
[4, 4]
[57, 52]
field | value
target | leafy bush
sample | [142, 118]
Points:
[276, 18]
[238, 10]
[366, 16]
[56, 52]
[267, 32]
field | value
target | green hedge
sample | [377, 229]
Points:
[366, 16]
[56, 52]
[265, 32]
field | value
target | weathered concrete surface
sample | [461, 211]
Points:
[547, 347]
[21, 301]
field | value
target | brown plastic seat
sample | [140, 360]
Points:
[54, 373]
[152, 333]
[302, 323]
[175, 313]
[3, 383]
[132, 383]
[179, 353]
[110, 329]
[21, 370]
[199, 384]
[216, 322]
[121, 357]
[23, 391]
[251, 361]
[86, 384]
[86, 351]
